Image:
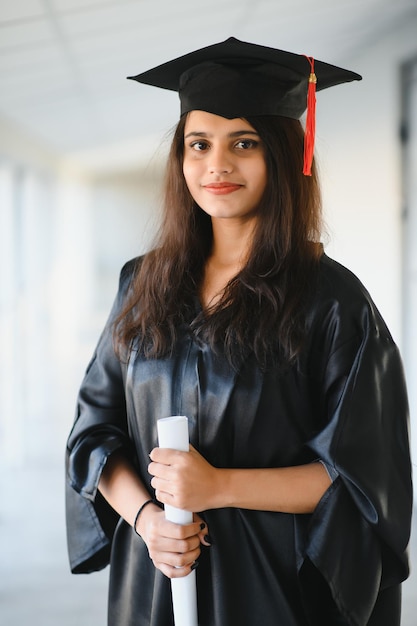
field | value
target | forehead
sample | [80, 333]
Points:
[202, 121]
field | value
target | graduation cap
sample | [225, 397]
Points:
[238, 79]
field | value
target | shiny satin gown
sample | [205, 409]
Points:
[344, 402]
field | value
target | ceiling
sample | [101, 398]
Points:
[63, 63]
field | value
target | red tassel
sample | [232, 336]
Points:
[310, 130]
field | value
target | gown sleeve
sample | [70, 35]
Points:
[359, 532]
[99, 429]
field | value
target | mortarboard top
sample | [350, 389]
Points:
[238, 79]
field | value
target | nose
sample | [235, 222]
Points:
[220, 161]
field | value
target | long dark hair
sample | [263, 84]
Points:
[263, 307]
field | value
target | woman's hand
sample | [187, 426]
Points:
[173, 548]
[183, 479]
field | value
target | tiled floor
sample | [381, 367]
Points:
[36, 586]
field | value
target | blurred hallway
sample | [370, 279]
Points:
[81, 158]
[36, 586]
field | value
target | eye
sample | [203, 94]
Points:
[199, 146]
[246, 144]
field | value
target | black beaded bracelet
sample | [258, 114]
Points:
[150, 501]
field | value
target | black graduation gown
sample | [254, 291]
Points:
[344, 402]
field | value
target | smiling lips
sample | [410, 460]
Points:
[220, 189]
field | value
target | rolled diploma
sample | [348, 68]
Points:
[173, 433]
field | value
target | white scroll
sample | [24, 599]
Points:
[173, 433]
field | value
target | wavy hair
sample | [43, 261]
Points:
[263, 307]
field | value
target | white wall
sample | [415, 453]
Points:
[360, 152]
[360, 161]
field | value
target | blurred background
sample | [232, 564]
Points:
[81, 158]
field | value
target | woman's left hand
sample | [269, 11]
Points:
[183, 479]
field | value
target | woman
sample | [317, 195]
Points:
[299, 470]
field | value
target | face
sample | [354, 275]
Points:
[224, 165]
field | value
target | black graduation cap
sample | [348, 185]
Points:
[238, 79]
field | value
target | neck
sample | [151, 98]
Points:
[231, 246]
[231, 242]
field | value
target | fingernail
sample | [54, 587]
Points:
[202, 526]
[194, 565]
[207, 539]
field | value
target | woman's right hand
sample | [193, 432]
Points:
[173, 548]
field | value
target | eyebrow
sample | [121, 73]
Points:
[233, 135]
